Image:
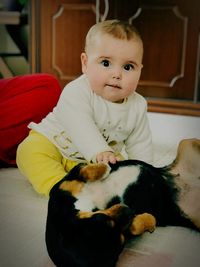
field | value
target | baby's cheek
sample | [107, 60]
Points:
[96, 85]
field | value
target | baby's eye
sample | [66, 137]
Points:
[105, 63]
[128, 67]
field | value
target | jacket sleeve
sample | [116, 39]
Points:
[74, 111]
[139, 143]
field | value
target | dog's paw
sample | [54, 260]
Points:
[93, 172]
[143, 222]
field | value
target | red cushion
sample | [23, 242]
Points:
[23, 99]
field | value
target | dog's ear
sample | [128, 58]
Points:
[187, 162]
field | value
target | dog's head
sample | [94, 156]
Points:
[95, 241]
[99, 241]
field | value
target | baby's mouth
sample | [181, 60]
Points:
[114, 86]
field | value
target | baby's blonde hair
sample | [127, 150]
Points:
[115, 28]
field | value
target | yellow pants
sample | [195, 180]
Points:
[41, 162]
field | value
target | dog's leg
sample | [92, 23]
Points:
[93, 172]
[141, 223]
[187, 162]
[186, 170]
[87, 173]
[113, 212]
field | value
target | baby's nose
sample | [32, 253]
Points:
[117, 73]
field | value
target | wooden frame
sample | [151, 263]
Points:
[174, 107]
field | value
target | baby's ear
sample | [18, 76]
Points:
[84, 60]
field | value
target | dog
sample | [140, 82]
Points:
[96, 208]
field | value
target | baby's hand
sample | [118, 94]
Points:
[106, 157]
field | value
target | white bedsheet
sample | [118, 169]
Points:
[23, 213]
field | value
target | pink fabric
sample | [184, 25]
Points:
[23, 99]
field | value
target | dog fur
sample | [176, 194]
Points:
[95, 209]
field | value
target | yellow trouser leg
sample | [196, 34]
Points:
[41, 162]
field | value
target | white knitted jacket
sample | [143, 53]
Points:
[84, 124]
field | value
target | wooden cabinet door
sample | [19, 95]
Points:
[170, 31]
[63, 27]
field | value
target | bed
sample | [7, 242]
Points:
[23, 213]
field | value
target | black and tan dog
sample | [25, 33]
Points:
[96, 208]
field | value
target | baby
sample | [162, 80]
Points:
[98, 115]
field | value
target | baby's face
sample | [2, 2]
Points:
[113, 67]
